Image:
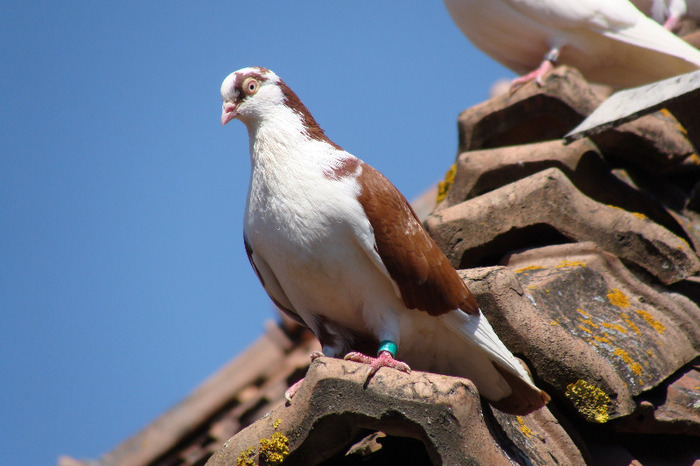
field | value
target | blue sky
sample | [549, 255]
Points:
[123, 278]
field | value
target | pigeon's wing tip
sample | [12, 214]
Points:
[525, 397]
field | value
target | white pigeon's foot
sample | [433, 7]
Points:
[291, 391]
[385, 359]
[537, 75]
[671, 22]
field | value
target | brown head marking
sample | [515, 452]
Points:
[239, 93]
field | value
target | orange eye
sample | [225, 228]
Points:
[250, 86]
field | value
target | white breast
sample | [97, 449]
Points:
[307, 227]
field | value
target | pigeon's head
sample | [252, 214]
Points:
[254, 93]
[248, 93]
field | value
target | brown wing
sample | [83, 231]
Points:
[424, 275]
[271, 285]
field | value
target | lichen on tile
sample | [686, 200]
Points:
[589, 400]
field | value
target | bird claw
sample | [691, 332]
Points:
[671, 23]
[291, 391]
[385, 359]
[537, 76]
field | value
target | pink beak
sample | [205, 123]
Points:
[228, 112]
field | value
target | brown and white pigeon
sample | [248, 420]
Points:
[610, 41]
[339, 249]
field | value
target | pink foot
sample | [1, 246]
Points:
[671, 22]
[291, 391]
[536, 75]
[385, 359]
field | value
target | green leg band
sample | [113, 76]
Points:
[387, 345]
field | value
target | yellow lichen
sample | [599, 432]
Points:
[630, 324]
[571, 264]
[602, 340]
[634, 366]
[529, 268]
[636, 214]
[523, 428]
[664, 112]
[587, 330]
[683, 245]
[583, 312]
[589, 400]
[617, 327]
[554, 322]
[658, 326]
[618, 298]
[246, 457]
[588, 322]
[445, 185]
[275, 449]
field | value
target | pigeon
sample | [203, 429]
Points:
[610, 41]
[669, 12]
[339, 249]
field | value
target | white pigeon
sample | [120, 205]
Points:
[339, 249]
[669, 12]
[610, 41]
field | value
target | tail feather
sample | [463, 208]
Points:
[648, 34]
[524, 396]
